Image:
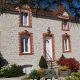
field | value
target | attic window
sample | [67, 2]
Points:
[25, 18]
[65, 25]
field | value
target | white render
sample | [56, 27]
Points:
[9, 42]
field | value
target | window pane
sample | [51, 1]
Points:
[66, 44]
[25, 43]
[24, 19]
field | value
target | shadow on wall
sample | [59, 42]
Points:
[3, 61]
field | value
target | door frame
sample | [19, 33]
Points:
[44, 45]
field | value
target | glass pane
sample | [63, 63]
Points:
[25, 42]
[66, 44]
[24, 19]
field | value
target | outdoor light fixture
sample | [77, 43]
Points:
[48, 30]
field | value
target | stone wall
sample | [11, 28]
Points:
[9, 43]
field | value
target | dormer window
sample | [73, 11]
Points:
[65, 25]
[25, 17]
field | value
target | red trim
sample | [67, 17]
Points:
[69, 43]
[44, 47]
[20, 45]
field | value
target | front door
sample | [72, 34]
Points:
[49, 47]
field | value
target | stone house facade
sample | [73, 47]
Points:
[24, 42]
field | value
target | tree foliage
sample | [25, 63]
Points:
[2, 61]
[43, 63]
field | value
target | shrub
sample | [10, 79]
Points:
[43, 63]
[63, 68]
[35, 74]
[76, 74]
[2, 61]
[71, 63]
[41, 72]
[72, 78]
[61, 58]
[11, 71]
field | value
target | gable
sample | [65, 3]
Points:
[65, 14]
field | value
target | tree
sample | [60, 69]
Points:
[2, 61]
[43, 63]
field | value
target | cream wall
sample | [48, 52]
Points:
[9, 28]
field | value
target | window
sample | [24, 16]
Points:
[65, 25]
[25, 17]
[66, 43]
[25, 42]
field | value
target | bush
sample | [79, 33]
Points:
[76, 74]
[71, 63]
[63, 68]
[43, 63]
[2, 61]
[41, 72]
[72, 78]
[61, 58]
[11, 71]
[35, 74]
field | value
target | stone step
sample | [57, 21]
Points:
[52, 64]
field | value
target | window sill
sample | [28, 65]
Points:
[25, 26]
[67, 51]
[65, 30]
[25, 54]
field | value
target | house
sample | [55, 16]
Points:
[24, 38]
